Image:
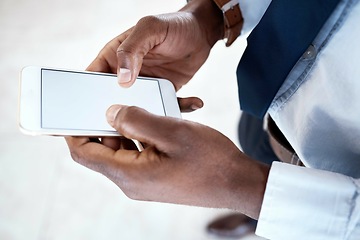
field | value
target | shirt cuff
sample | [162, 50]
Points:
[303, 203]
[252, 11]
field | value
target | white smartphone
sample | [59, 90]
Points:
[73, 103]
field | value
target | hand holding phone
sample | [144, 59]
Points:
[63, 102]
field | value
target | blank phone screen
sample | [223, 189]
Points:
[72, 100]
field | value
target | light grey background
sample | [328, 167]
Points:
[43, 193]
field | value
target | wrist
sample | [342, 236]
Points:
[209, 17]
[248, 186]
[231, 17]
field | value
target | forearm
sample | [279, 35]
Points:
[209, 17]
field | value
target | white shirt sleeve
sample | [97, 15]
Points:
[252, 12]
[303, 203]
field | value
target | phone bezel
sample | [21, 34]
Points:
[30, 103]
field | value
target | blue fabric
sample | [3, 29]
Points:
[253, 139]
[284, 33]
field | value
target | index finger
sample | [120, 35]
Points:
[98, 157]
[149, 32]
[106, 61]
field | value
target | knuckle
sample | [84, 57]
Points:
[123, 51]
[131, 194]
[149, 21]
[108, 46]
[145, 34]
[130, 189]
[76, 156]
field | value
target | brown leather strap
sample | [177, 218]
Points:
[233, 19]
[281, 146]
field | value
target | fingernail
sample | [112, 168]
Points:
[196, 107]
[112, 112]
[124, 75]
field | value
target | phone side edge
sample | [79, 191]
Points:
[169, 98]
[29, 100]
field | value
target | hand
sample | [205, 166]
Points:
[172, 46]
[183, 162]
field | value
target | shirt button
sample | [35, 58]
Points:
[310, 53]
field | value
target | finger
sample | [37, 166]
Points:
[79, 154]
[190, 104]
[79, 140]
[136, 123]
[117, 143]
[106, 61]
[148, 33]
[99, 157]
[100, 64]
[112, 142]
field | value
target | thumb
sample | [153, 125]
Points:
[137, 123]
[145, 35]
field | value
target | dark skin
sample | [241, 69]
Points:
[183, 162]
